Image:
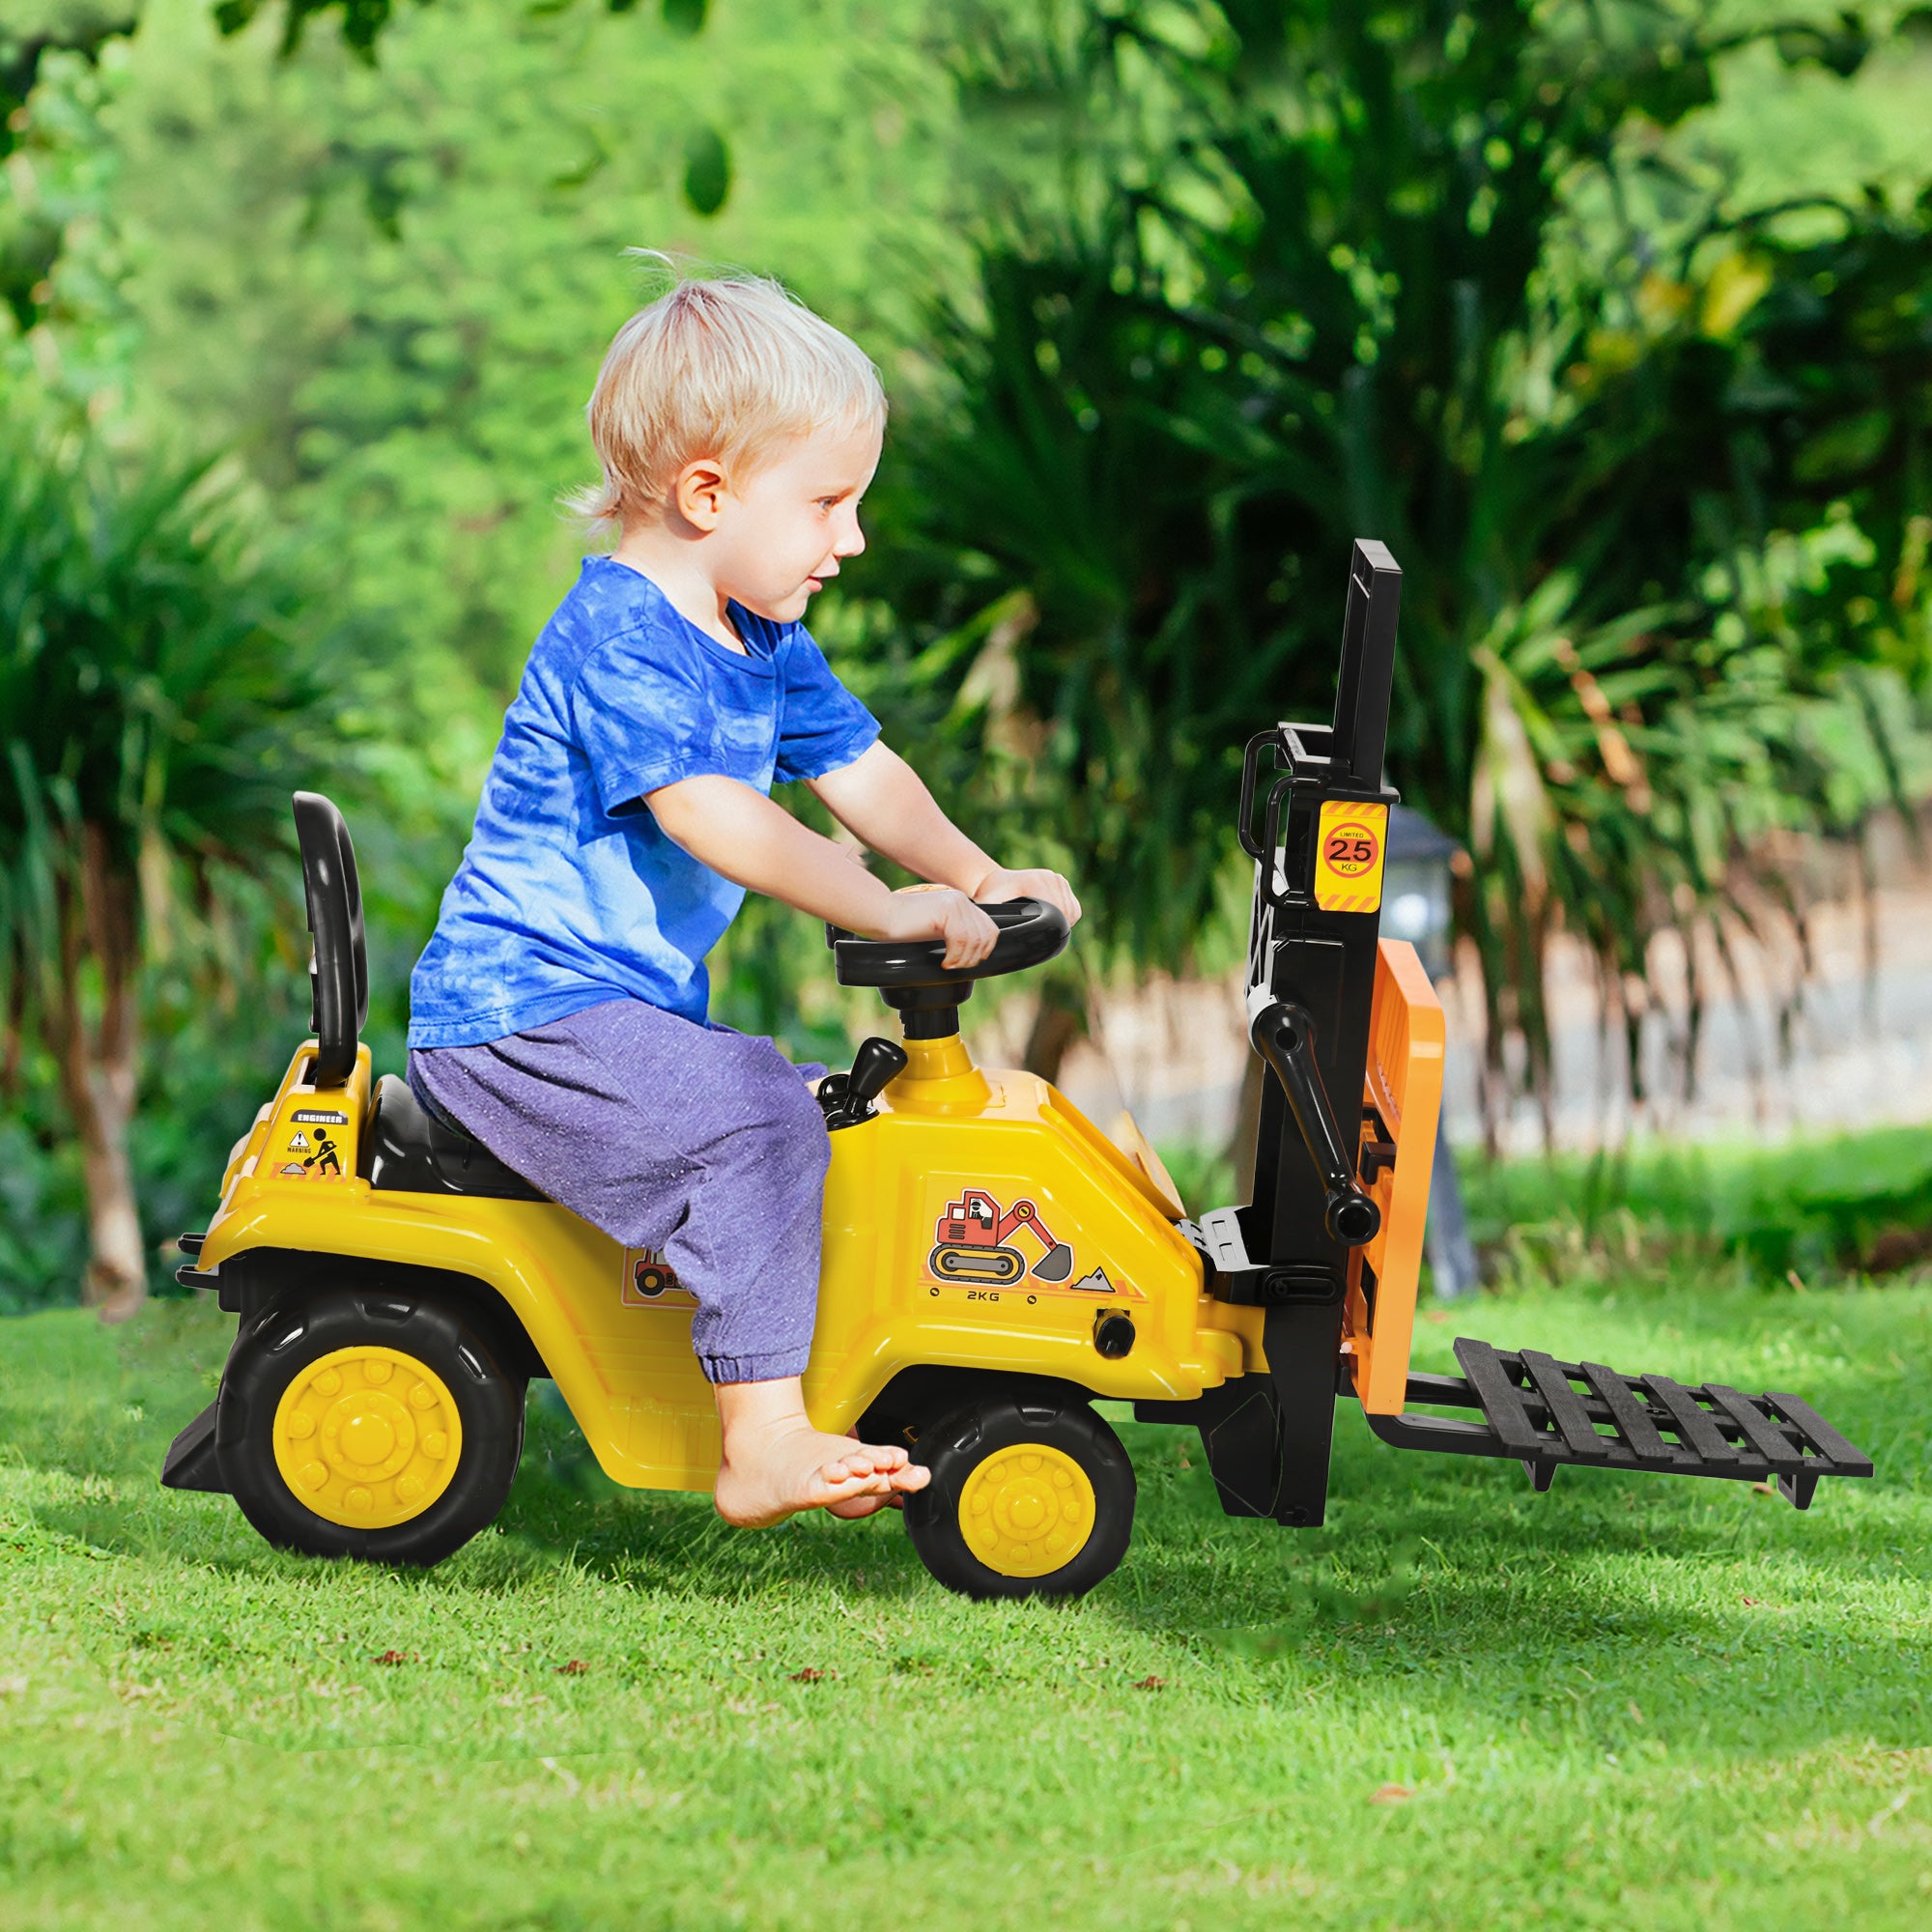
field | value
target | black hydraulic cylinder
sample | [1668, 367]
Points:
[1283, 1035]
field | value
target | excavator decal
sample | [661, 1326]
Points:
[972, 1237]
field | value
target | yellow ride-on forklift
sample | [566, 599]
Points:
[993, 1264]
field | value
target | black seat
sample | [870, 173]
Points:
[413, 1154]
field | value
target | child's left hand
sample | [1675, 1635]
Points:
[1000, 885]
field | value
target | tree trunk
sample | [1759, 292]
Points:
[117, 1269]
[98, 1070]
[1059, 1021]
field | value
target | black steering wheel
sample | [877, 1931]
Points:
[1031, 933]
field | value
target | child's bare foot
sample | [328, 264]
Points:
[776, 1464]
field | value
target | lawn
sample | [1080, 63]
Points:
[1460, 1705]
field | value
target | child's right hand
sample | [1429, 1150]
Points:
[939, 912]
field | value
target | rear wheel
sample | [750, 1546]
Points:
[1025, 1499]
[361, 1423]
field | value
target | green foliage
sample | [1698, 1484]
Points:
[1679, 1704]
[1652, 459]
[1587, 310]
[44, 1202]
[211, 1054]
[153, 694]
[389, 290]
[31, 31]
[707, 171]
[156, 695]
[364, 21]
[61, 265]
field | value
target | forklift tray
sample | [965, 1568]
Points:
[1534, 1410]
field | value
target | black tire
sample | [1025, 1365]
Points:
[971, 1439]
[296, 1332]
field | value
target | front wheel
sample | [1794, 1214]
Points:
[1025, 1500]
[361, 1423]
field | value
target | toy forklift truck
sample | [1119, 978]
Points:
[993, 1264]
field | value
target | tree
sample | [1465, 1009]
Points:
[52, 33]
[154, 702]
[1653, 459]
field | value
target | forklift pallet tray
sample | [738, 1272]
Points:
[1534, 1410]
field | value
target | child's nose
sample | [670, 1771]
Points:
[851, 540]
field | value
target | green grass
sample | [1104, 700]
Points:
[1631, 1701]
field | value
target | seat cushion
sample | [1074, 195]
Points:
[413, 1154]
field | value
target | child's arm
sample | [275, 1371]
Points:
[884, 803]
[757, 845]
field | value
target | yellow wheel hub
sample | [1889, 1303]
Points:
[367, 1438]
[1027, 1511]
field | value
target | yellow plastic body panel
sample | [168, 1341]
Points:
[621, 1359]
[618, 1345]
[1403, 1084]
[945, 1128]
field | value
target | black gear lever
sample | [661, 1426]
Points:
[1285, 1037]
[847, 1097]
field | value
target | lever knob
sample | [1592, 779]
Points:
[877, 1063]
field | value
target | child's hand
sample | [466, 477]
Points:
[1000, 885]
[938, 912]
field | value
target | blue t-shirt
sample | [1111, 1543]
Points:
[569, 892]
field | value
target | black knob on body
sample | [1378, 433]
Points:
[874, 1066]
[1113, 1335]
[847, 1097]
[1352, 1217]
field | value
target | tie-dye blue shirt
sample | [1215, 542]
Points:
[569, 894]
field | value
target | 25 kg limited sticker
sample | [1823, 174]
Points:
[1351, 843]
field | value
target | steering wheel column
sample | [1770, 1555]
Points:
[913, 979]
[927, 1012]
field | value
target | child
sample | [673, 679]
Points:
[559, 1012]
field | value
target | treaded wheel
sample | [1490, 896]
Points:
[366, 1423]
[1026, 1499]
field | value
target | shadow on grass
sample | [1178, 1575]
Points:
[1516, 1608]
[100, 1408]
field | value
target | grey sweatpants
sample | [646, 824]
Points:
[704, 1144]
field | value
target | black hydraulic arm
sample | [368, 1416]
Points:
[1285, 1036]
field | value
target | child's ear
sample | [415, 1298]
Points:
[697, 492]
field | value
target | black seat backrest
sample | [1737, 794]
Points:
[338, 968]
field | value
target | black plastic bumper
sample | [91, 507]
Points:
[192, 1462]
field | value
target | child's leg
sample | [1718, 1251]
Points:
[776, 1463]
[709, 1147]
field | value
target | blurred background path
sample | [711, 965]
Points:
[1857, 1051]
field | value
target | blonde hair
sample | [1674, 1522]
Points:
[729, 366]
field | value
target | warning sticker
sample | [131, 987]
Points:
[1351, 841]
